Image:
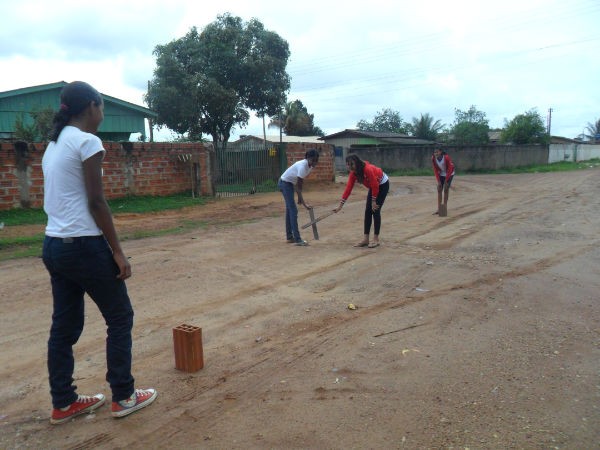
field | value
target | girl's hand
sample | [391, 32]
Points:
[374, 206]
[124, 266]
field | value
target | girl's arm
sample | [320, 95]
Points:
[92, 171]
[301, 201]
[449, 166]
[347, 191]
[436, 169]
[372, 174]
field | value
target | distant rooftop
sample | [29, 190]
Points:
[284, 138]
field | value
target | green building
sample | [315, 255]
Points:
[121, 118]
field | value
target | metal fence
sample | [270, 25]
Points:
[249, 168]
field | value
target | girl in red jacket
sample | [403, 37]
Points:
[378, 184]
[443, 168]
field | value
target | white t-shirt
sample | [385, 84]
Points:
[297, 170]
[442, 165]
[65, 196]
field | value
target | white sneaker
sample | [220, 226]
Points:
[138, 400]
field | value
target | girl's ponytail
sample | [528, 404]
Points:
[75, 97]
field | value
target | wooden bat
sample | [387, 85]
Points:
[312, 222]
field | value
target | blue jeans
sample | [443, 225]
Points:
[77, 266]
[291, 211]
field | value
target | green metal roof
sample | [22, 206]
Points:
[121, 118]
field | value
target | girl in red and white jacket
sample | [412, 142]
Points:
[378, 184]
[443, 168]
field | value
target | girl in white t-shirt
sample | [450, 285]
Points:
[292, 180]
[83, 255]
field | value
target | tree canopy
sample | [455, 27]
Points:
[425, 127]
[470, 127]
[526, 128]
[296, 121]
[208, 82]
[592, 131]
[385, 120]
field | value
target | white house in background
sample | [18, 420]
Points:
[344, 141]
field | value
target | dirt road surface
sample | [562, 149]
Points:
[478, 330]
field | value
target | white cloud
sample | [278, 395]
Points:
[347, 62]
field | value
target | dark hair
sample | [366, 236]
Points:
[312, 153]
[75, 97]
[359, 166]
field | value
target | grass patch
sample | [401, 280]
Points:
[25, 246]
[562, 166]
[22, 216]
[142, 204]
[22, 247]
[247, 187]
[186, 225]
[147, 204]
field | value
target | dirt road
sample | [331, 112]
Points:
[478, 330]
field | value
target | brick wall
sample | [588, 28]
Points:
[135, 168]
[130, 168]
[324, 171]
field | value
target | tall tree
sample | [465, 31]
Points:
[385, 120]
[208, 82]
[526, 128]
[425, 127]
[592, 131]
[296, 121]
[470, 127]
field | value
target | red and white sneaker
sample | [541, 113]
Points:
[138, 400]
[83, 404]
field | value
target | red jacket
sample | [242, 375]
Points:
[371, 179]
[449, 167]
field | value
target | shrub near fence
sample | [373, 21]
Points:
[130, 168]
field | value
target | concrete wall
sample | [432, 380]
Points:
[465, 158]
[573, 152]
[129, 169]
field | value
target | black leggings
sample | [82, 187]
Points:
[375, 216]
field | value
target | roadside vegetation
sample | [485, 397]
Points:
[562, 166]
[31, 244]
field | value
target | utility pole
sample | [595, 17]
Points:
[549, 120]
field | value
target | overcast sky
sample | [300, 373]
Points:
[347, 62]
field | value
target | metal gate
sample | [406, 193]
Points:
[248, 168]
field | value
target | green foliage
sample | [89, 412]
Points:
[561, 166]
[207, 82]
[150, 203]
[425, 127]
[470, 127]
[593, 130]
[43, 119]
[296, 121]
[38, 130]
[23, 131]
[385, 120]
[527, 128]
[133, 204]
